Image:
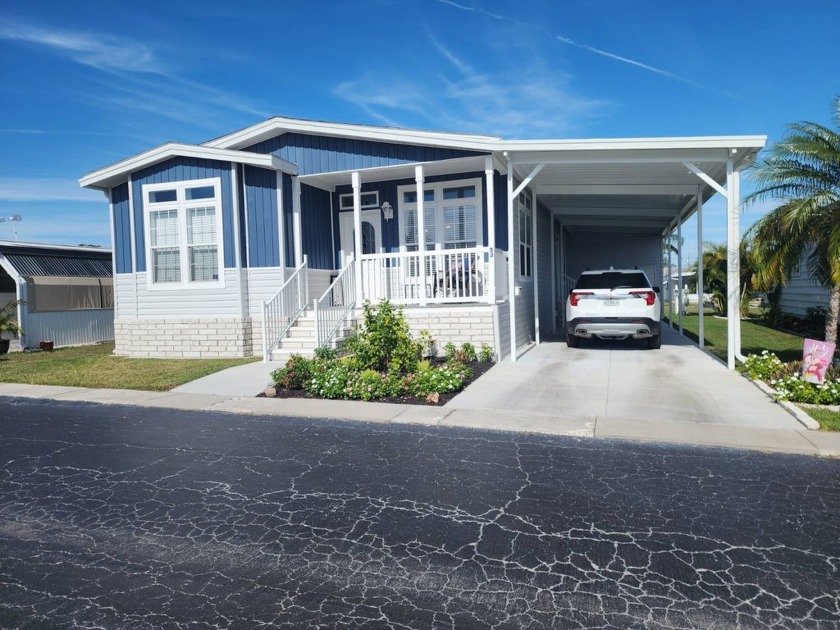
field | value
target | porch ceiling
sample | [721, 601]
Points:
[328, 181]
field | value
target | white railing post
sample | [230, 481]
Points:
[265, 331]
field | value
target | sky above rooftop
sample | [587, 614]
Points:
[86, 84]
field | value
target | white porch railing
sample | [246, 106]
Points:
[333, 307]
[442, 276]
[282, 310]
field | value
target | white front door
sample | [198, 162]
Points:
[371, 233]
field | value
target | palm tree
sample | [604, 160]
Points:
[803, 171]
[715, 275]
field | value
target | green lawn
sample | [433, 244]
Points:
[829, 420]
[96, 366]
[755, 337]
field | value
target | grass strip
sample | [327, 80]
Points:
[96, 366]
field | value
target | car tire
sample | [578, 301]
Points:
[572, 341]
[654, 343]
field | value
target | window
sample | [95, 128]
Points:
[183, 227]
[526, 218]
[368, 200]
[451, 212]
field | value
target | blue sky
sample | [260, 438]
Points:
[89, 83]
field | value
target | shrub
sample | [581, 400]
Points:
[367, 385]
[795, 390]
[325, 353]
[444, 379]
[764, 366]
[384, 341]
[449, 351]
[295, 374]
[330, 378]
[466, 354]
[486, 354]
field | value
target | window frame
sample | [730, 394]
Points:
[342, 207]
[525, 210]
[182, 206]
[437, 206]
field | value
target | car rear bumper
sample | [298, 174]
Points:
[636, 327]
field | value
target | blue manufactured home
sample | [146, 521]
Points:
[268, 240]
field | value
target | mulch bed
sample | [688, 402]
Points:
[477, 368]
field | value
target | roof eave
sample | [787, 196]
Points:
[278, 125]
[109, 176]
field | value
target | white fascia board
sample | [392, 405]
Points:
[277, 125]
[114, 174]
[5, 264]
[624, 144]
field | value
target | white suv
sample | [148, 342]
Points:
[614, 304]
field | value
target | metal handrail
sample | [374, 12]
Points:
[333, 307]
[284, 308]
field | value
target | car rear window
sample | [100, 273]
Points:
[613, 280]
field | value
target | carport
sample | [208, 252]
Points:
[617, 202]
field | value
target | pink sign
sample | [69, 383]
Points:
[816, 357]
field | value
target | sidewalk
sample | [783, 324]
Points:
[647, 430]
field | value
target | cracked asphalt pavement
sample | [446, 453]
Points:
[124, 517]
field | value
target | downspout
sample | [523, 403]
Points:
[736, 227]
[700, 280]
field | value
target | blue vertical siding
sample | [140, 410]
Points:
[122, 228]
[261, 202]
[240, 204]
[178, 170]
[322, 154]
[500, 189]
[316, 227]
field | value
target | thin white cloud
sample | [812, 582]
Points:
[604, 53]
[509, 102]
[104, 52]
[45, 189]
[135, 68]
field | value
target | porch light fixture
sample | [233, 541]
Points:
[14, 217]
[387, 211]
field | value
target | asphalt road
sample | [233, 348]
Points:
[120, 517]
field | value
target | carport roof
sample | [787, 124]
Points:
[632, 184]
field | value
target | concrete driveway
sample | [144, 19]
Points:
[624, 379]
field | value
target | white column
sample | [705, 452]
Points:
[357, 233]
[513, 251]
[491, 227]
[679, 272]
[281, 227]
[535, 277]
[735, 194]
[421, 230]
[732, 268]
[701, 330]
[668, 241]
[296, 221]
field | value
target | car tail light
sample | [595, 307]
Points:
[574, 298]
[648, 296]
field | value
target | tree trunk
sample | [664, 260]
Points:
[831, 317]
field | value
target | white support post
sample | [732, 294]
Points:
[701, 330]
[553, 279]
[535, 276]
[513, 252]
[357, 233]
[735, 194]
[679, 273]
[281, 227]
[491, 226]
[421, 230]
[296, 221]
[668, 241]
[732, 269]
